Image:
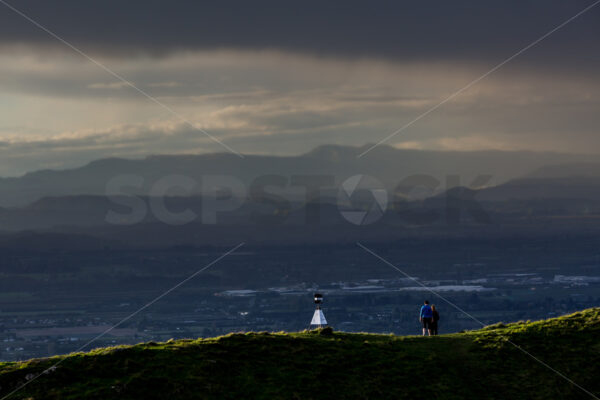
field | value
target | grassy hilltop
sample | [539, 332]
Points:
[322, 364]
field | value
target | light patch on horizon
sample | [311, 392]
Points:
[111, 85]
[171, 84]
[464, 143]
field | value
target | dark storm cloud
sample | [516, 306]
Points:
[421, 30]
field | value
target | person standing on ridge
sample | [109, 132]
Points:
[425, 317]
[435, 317]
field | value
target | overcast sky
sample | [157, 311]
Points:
[283, 78]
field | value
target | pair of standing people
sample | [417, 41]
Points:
[429, 317]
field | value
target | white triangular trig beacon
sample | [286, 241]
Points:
[318, 318]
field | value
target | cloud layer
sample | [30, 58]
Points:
[408, 31]
[282, 79]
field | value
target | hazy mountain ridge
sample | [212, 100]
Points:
[519, 198]
[540, 194]
[387, 164]
[591, 169]
[567, 187]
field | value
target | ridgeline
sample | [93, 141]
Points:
[324, 364]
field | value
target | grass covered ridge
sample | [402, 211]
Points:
[320, 364]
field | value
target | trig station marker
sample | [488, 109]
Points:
[318, 319]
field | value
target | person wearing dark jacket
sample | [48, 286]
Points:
[435, 317]
[425, 317]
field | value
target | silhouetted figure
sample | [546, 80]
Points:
[435, 317]
[425, 317]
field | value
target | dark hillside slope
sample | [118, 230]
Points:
[480, 364]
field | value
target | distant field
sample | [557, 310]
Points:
[74, 330]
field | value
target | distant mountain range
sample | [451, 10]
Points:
[389, 165]
[75, 202]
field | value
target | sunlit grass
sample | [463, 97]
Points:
[485, 363]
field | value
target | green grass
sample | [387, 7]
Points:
[482, 364]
